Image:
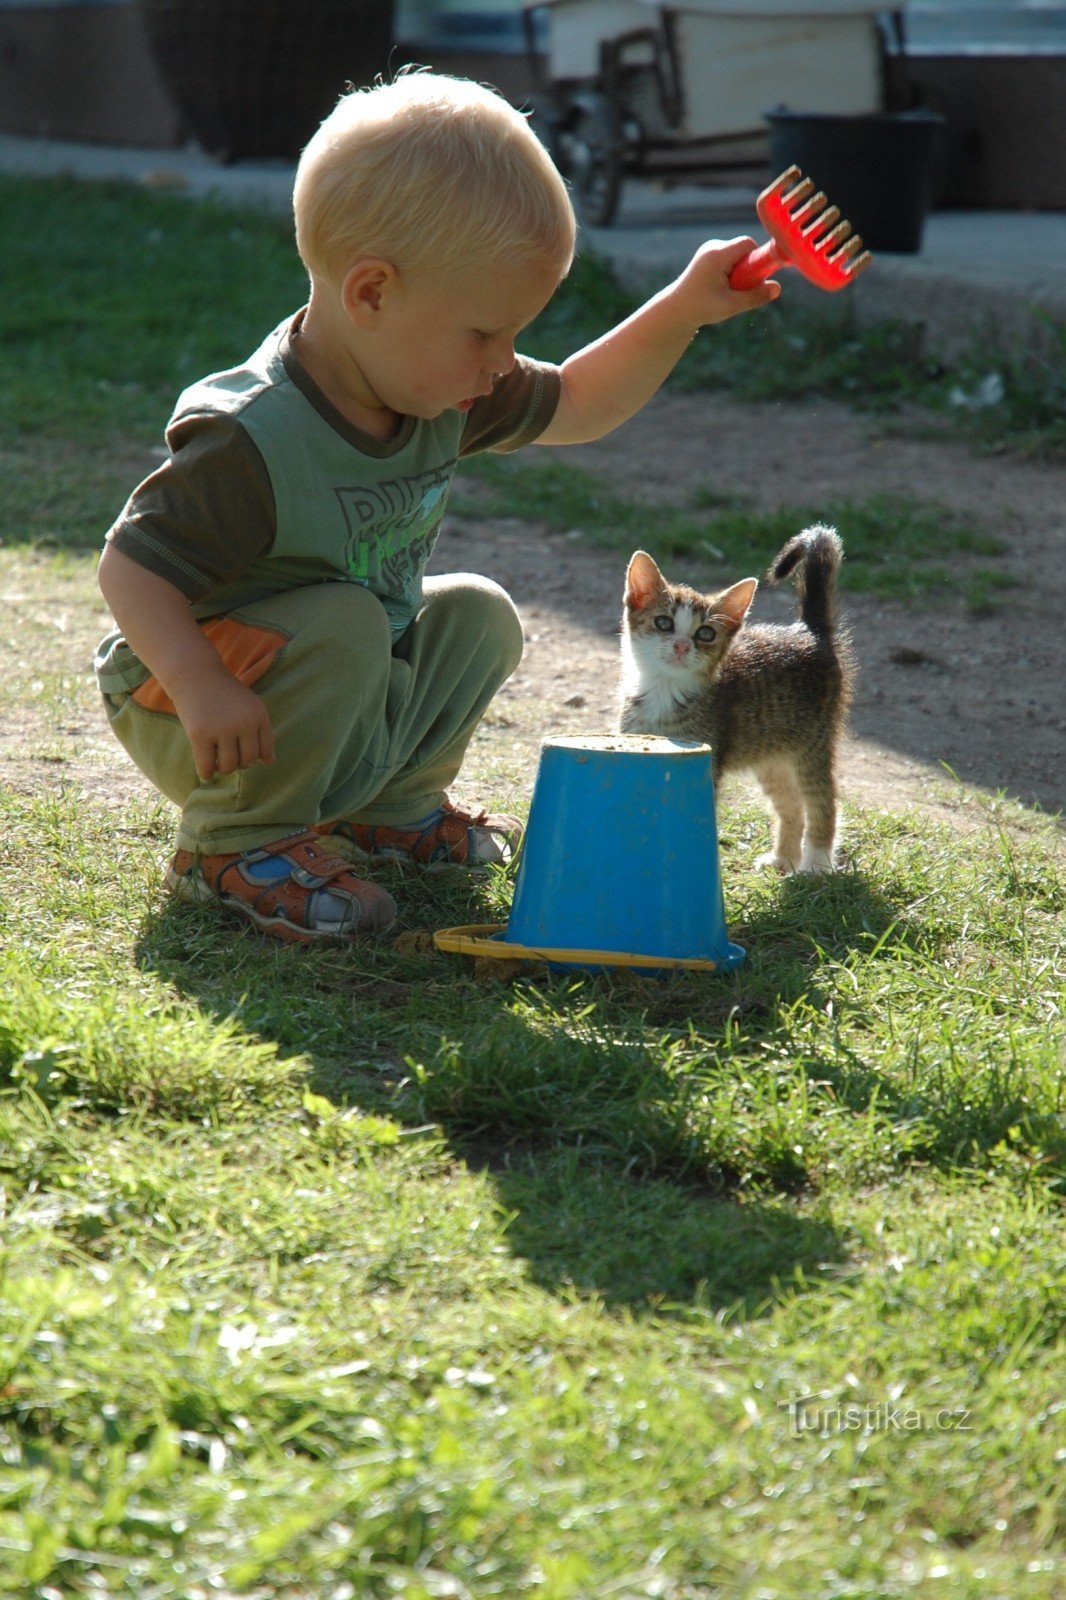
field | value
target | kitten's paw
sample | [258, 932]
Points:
[780, 864]
[815, 862]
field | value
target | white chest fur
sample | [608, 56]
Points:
[654, 684]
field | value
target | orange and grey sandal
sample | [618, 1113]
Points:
[294, 889]
[447, 837]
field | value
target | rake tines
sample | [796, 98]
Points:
[806, 233]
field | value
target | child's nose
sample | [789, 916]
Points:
[503, 360]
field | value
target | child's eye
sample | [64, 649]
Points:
[664, 624]
[705, 634]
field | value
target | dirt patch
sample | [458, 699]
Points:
[941, 691]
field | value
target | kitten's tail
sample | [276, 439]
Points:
[814, 557]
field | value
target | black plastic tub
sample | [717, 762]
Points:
[877, 168]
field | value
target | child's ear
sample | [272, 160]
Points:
[365, 288]
[643, 581]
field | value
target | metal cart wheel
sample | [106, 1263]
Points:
[594, 160]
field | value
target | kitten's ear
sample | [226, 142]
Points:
[734, 605]
[643, 581]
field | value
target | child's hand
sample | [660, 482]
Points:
[226, 722]
[703, 292]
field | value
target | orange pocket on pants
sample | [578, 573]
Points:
[246, 650]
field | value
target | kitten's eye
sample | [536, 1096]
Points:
[705, 634]
[664, 624]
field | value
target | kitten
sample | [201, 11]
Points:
[768, 699]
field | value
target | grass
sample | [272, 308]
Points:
[889, 538]
[345, 1274]
[999, 394]
[114, 298]
[111, 300]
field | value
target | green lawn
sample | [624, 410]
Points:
[329, 1274]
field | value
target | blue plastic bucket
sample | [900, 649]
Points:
[620, 855]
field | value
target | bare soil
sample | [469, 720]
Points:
[950, 706]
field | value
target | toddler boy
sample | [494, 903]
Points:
[282, 670]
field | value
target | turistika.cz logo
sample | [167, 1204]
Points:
[811, 1413]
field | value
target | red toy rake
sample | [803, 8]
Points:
[797, 223]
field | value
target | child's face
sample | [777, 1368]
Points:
[443, 342]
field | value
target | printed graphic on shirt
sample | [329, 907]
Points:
[392, 527]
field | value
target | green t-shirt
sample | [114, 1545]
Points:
[267, 487]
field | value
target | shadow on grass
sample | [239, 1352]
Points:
[630, 1144]
[655, 1245]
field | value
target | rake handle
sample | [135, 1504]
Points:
[757, 266]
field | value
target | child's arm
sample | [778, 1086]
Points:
[227, 723]
[609, 381]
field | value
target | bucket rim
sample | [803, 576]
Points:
[627, 744]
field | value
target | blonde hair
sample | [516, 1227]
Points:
[428, 170]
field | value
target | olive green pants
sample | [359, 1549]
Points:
[365, 726]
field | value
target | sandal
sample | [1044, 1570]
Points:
[447, 837]
[294, 890]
